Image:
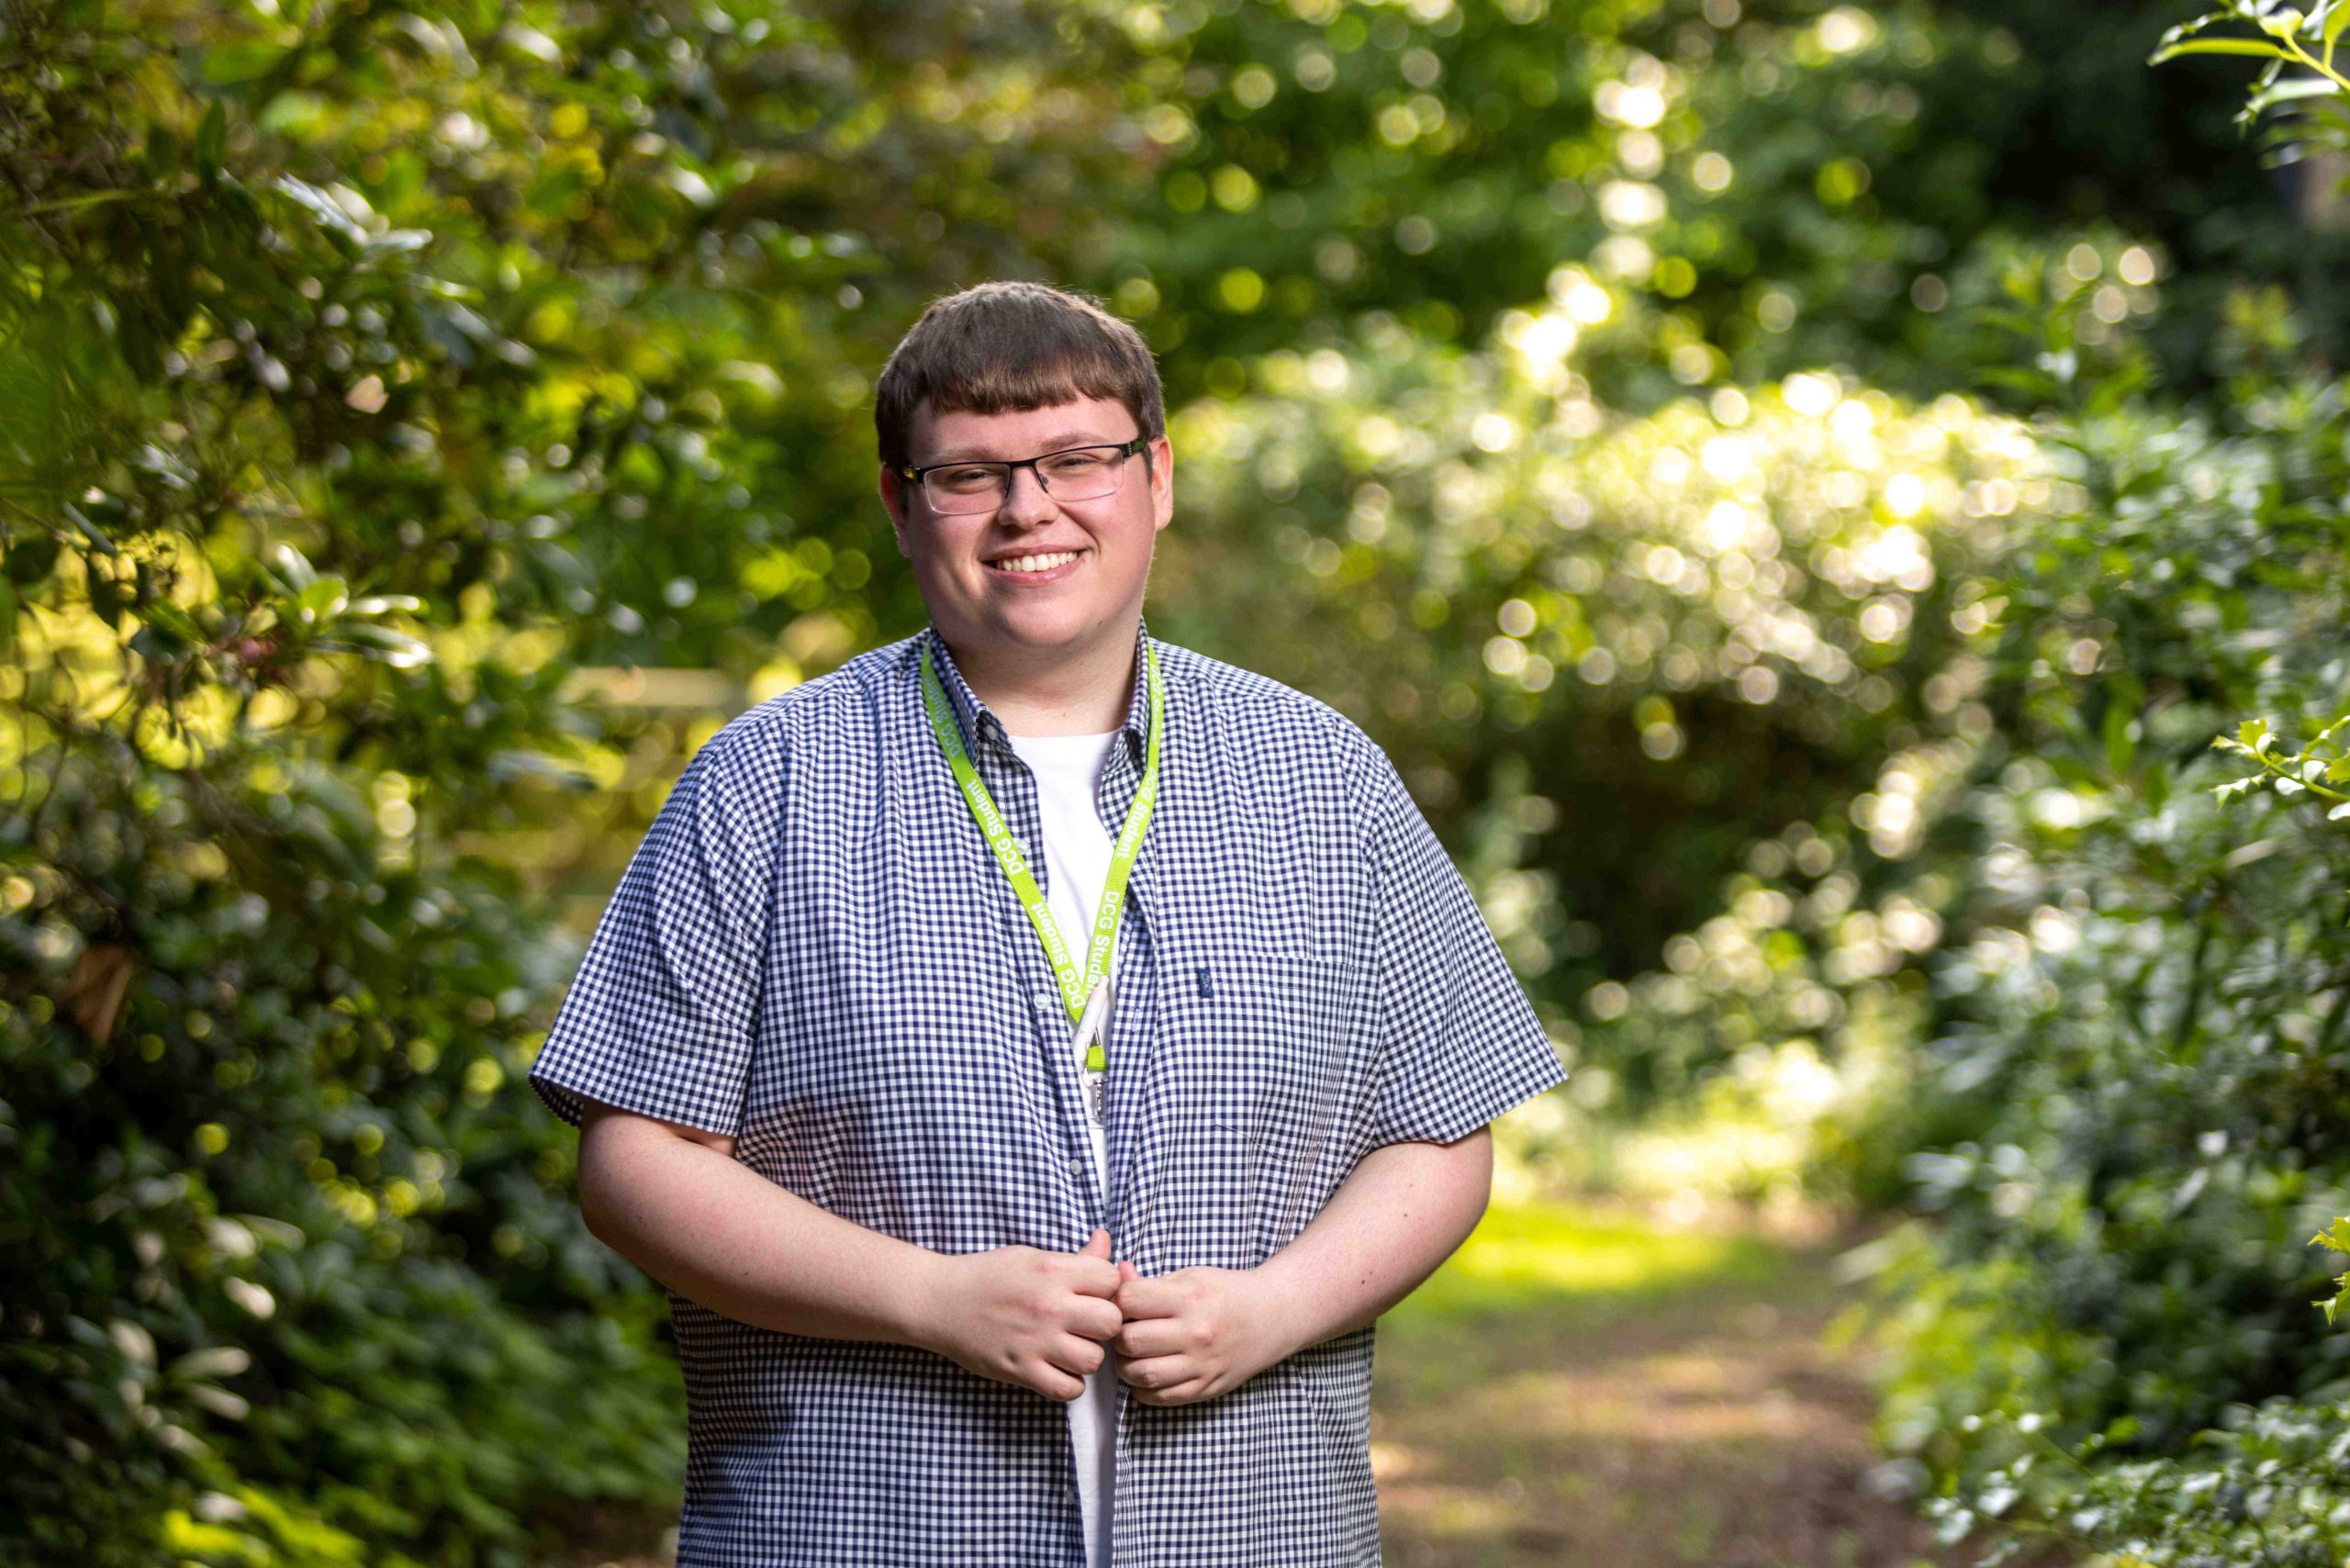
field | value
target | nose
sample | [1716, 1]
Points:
[1025, 499]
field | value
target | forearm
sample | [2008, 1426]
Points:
[720, 1234]
[1402, 1212]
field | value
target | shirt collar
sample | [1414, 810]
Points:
[981, 726]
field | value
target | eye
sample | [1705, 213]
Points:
[1075, 465]
[967, 478]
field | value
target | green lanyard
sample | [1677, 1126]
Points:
[1075, 987]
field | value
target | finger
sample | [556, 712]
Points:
[1128, 1271]
[1149, 1336]
[1096, 1320]
[1188, 1392]
[1097, 1245]
[1158, 1372]
[1079, 1356]
[1090, 1275]
[1150, 1298]
[1055, 1383]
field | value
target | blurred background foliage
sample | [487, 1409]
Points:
[1797, 488]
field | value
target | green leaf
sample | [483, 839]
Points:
[324, 208]
[2337, 16]
[2219, 46]
[2340, 814]
[208, 139]
[555, 195]
[2120, 747]
[299, 573]
[322, 598]
[395, 648]
[2290, 90]
[239, 62]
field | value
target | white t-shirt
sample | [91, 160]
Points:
[1077, 862]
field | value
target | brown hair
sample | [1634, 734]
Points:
[1005, 345]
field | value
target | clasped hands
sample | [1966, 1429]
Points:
[1046, 1320]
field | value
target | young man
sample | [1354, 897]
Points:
[957, 1277]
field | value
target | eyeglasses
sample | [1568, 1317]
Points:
[1073, 474]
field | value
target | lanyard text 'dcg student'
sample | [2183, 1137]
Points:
[1083, 992]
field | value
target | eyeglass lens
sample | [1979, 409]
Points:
[1082, 474]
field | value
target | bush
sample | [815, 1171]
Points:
[2145, 1003]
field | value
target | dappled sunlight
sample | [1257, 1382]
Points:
[1521, 1253]
[1651, 1401]
[1702, 1421]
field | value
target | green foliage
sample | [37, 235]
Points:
[345, 354]
[2282, 36]
[2145, 1008]
[2313, 770]
[2117, 1287]
[2265, 1488]
[1658, 639]
[1769, 186]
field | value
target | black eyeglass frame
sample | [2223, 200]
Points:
[1125, 450]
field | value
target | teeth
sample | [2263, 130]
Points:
[1036, 563]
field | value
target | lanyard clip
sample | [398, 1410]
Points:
[1087, 1044]
[1091, 1025]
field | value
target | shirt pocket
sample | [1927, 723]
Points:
[1268, 1064]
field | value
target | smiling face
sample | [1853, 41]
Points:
[1085, 593]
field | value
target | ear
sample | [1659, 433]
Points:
[1162, 482]
[894, 498]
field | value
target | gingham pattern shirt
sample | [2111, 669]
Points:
[813, 951]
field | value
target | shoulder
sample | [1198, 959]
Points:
[1276, 725]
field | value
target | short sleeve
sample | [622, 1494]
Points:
[658, 1019]
[1460, 1043]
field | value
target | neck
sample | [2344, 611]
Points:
[1056, 691]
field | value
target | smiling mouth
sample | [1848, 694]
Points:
[1042, 562]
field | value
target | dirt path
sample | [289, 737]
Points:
[1577, 1387]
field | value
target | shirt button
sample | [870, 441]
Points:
[1077, 1166]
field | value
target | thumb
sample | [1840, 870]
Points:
[1127, 1273]
[1098, 1244]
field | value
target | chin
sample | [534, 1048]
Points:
[1046, 631]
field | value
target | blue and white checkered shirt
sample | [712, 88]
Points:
[813, 951]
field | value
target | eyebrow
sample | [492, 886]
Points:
[1056, 443]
